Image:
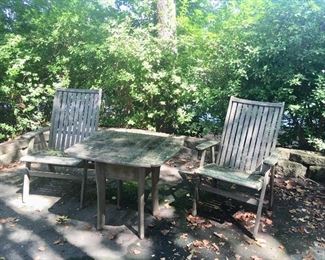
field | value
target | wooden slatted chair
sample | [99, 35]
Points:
[75, 117]
[246, 157]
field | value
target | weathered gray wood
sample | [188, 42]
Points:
[54, 160]
[128, 147]
[260, 204]
[271, 198]
[240, 196]
[195, 198]
[255, 152]
[67, 123]
[101, 194]
[127, 154]
[54, 175]
[155, 171]
[272, 159]
[248, 126]
[83, 184]
[252, 117]
[253, 180]
[119, 193]
[263, 148]
[250, 164]
[141, 184]
[74, 116]
[235, 152]
[213, 154]
[242, 138]
[62, 119]
[207, 144]
[26, 183]
[121, 172]
[202, 160]
[248, 138]
[228, 130]
[230, 142]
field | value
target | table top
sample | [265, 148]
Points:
[128, 147]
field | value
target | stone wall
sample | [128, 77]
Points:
[294, 163]
[13, 150]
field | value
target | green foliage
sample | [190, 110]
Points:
[270, 50]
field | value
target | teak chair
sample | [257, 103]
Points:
[246, 157]
[74, 117]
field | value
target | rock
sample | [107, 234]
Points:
[290, 169]
[283, 153]
[317, 173]
[307, 158]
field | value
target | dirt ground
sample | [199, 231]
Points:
[51, 226]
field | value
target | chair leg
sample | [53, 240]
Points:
[83, 185]
[195, 198]
[271, 198]
[260, 205]
[119, 193]
[26, 183]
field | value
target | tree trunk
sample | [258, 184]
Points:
[166, 19]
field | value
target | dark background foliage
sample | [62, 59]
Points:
[271, 50]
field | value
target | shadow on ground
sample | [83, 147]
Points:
[51, 226]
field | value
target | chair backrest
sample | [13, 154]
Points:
[249, 134]
[75, 116]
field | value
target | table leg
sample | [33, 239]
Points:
[119, 193]
[141, 184]
[101, 184]
[155, 171]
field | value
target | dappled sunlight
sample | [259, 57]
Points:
[35, 202]
[266, 247]
[93, 243]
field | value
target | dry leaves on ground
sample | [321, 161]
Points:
[60, 241]
[136, 251]
[10, 220]
[308, 212]
[196, 221]
[200, 244]
[255, 257]
[248, 220]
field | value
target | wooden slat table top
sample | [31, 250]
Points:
[127, 147]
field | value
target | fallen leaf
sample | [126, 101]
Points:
[215, 247]
[41, 248]
[254, 257]
[136, 251]
[222, 236]
[59, 241]
[309, 256]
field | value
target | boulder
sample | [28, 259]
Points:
[283, 153]
[307, 158]
[317, 173]
[290, 169]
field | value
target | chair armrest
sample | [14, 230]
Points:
[203, 147]
[271, 160]
[206, 145]
[31, 136]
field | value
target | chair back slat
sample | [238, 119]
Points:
[249, 134]
[75, 116]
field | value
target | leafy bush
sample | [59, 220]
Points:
[270, 50]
